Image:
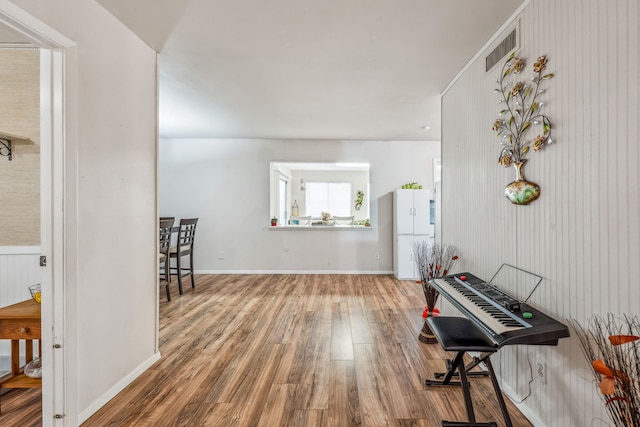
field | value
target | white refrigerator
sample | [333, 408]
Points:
[412, 222]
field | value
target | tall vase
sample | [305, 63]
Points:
[521, 191]
[430, 310]
[426, 335]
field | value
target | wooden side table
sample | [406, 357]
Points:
[21, 321]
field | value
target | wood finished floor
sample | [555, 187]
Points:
[287, 350]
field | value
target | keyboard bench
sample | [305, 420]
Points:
[460, 335]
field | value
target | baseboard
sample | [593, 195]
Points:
[522, 407]
[117, 388]
[381, 272]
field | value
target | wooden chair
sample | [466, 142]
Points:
[166, 224]
[184, 247]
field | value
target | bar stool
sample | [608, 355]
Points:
[166, 224]
[184, 247]
[460, 335]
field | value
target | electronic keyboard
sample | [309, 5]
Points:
[503, 318]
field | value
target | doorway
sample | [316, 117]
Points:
[19, 30]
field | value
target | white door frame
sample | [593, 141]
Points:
[59, 390]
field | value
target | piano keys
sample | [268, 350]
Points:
[503, 318]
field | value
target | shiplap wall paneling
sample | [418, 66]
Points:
[583, 234]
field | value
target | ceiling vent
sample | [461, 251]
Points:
[501, 50]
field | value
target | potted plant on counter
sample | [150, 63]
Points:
[274, 221]
[327, 218]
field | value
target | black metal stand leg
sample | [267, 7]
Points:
[457, 362]
[471, 416]
[496, 388]
[476, 361]
[452, 366]
[469, 374]
[457, 368]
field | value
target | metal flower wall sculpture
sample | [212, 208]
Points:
[521, 109]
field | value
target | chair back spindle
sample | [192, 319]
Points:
[166, 224]
[187, 231]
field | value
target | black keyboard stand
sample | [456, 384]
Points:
[460, 335]
[476, 362]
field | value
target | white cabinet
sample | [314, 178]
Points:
[411, 212]
[411, 224]
[404, 264]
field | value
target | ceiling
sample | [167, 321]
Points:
[304, 69]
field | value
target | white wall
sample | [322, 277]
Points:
[110, 200]
[583, 235]
[226, 184]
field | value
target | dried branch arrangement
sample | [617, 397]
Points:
[612, 348]
[433, 261]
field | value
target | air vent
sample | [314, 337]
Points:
[501, 50]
